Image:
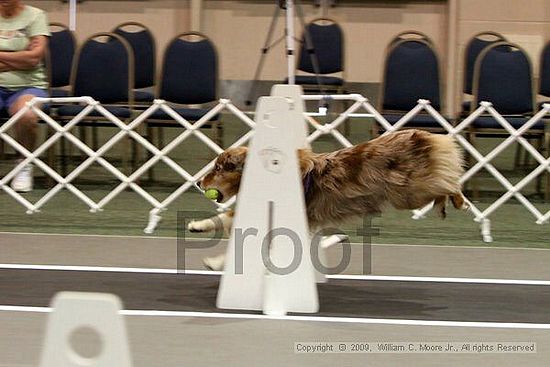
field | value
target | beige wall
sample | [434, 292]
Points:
[525, 22]
[166, 18]
[239, 28]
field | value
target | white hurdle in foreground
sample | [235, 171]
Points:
[95, 314]
[268, 264]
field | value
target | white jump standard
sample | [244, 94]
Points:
[269, 222]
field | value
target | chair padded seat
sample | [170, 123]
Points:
[420, 120]
[312, 80]
[59, 93]
[190, 114]
[143, 96]
[488, 122]
[466, 106]
[73, 110]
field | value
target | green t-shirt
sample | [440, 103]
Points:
[15, 34]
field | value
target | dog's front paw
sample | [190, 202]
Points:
[200, 226]
[216, 263]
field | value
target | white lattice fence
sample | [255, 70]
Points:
[360, 107]
[64, 131]
[361, 103]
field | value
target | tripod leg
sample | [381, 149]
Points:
[265, 50]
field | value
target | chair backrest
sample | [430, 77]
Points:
[473, 48]
[410, 35]
[104, 69]
[503, 76]
[326, 39]
[143, 44]
[189, 70]
[411, 72]
[61, 50]
[544, 75]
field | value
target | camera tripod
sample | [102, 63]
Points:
[291, 6]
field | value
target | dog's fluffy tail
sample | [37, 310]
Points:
[447, 162]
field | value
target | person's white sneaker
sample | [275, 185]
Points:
[23, 180]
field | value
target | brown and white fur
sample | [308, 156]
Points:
[407, 169]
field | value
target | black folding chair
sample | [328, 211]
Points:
[61, 50]
[411, 72]
[503, 76]
[544, 74]
[189, 83]
[143, 44]
[473, 48]
[321, 56]
[104, 70]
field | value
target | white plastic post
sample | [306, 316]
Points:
[299, 133]
[294, 93]
[97, 311]
[270, 198]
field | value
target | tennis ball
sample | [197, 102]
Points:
[212, 194]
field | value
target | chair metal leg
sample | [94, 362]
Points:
[2, 150]
[345, 106]
[83, 132]
[547, 155]
[527, 156]
[517, 157]
[218, 137]
[539, 147]
[134, 155]
[50, 154]
[150, 132]
[473, 180]
[63, 148]
[160, 137]
[136, 149]
[95, 138]
[127, 151]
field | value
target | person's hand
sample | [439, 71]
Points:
[33, 43]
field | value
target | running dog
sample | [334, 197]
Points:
[407, 169]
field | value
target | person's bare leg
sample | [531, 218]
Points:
[25, 130]
[26, 127]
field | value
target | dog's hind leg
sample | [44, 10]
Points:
[459, 201]
[440, 206]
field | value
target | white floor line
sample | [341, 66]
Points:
[324, 319]
[87, 268]
[90, 235]
[25, 309]
[397, 278]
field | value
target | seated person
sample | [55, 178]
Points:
[24, 33]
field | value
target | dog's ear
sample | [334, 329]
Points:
[235, 159]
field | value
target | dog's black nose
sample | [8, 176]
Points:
[199, 185]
